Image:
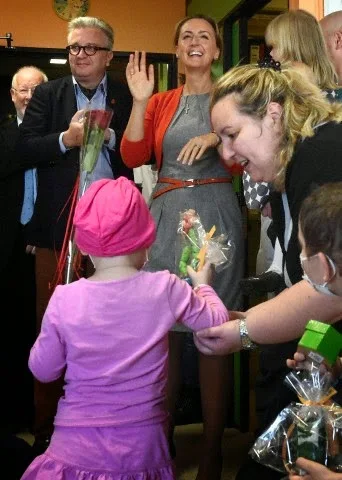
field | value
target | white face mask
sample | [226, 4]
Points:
[319, 287]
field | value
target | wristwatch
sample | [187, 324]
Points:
[246, 342]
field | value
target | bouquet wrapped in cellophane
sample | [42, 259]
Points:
[196, 246]
[311, 428]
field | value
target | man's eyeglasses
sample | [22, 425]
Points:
[25, 91]
[89, 50]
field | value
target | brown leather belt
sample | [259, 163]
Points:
[191, 182]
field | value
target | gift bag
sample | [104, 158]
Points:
[311, 428]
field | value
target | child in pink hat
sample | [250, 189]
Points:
[109, 333]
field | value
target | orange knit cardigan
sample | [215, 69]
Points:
[159, 113]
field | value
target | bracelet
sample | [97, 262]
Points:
[246, 342]
[219, 140]
[195, 289]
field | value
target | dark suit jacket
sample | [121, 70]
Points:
[11, 190]
[47, 115]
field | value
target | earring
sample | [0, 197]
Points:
[177, 55]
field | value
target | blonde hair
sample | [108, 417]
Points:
[297, 36]
[92, 22]
[304, 104]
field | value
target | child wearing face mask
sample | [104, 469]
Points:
[320, 235]
[109, 333]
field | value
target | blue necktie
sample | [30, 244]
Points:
[29, 196]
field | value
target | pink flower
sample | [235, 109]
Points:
[101, 118]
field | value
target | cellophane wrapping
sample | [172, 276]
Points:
[192, 237]
[311, 428]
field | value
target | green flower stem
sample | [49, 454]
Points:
[92, 147]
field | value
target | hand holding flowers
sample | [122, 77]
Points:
[73, 137]
[198, 246]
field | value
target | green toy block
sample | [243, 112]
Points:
[321, 342]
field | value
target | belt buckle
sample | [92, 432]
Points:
[192, 180]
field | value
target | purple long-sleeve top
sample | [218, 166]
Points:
[111, 340]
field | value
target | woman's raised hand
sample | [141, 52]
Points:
[139, 79]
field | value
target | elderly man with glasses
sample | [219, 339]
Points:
[50, 139]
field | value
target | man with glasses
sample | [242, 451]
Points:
[51, 136]
[17, 270]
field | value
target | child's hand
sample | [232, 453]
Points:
[302, 362]
[205, 275]
[315, 471]
[299, 362]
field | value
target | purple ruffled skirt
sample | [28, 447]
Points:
[105, 453]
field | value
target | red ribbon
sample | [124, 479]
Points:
[69, 233]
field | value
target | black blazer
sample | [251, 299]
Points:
[11, 190]
[316, 160]
[47, 115]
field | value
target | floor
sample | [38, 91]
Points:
[235, 447]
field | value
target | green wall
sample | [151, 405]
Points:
[217, 9]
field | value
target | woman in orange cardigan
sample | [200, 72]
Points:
[175, 127]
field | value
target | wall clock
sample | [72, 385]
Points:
[69, 9]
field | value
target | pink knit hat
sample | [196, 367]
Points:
[112, 218]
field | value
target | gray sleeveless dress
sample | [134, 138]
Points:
[215, 203]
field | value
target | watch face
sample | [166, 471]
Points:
[69, 9]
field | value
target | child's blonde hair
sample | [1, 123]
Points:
[297, 36]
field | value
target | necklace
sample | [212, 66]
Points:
[187, 104]
[186, 108]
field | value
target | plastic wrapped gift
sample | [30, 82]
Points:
[311, 429]
[197, 246]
